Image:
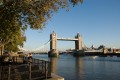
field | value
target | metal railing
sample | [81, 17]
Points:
[33, 69]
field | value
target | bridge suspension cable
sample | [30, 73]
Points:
[42, 46]
[37, 49]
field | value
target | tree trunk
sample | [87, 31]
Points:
[2, 50]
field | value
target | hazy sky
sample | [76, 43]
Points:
[98, 21]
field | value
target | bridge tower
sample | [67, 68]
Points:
[53, 38]
[53, 42]
[78, 43]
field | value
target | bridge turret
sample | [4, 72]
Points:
[78, 35]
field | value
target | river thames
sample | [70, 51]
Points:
[84, 68]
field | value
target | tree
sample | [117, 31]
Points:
[17, 40]
[17, 15]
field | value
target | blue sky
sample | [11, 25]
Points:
[98, 21]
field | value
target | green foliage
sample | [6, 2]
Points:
[31, 12]
[75, 2]
[17, 15]
[13, 45]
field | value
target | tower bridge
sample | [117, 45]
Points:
[54, 38]
[53, 44]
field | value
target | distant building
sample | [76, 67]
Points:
[109, 50]
[116, 50]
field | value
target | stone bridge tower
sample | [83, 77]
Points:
[78, 43]
[53, 38]
[53, 42]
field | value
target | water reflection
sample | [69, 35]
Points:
[53, 65]
[79, 67]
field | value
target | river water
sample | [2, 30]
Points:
[84, 68]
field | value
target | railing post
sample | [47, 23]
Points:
[0, 72]
[42, 64]
[45, 69]
[29, 71]
[16, 59]
[49, 69]
[9, 71]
